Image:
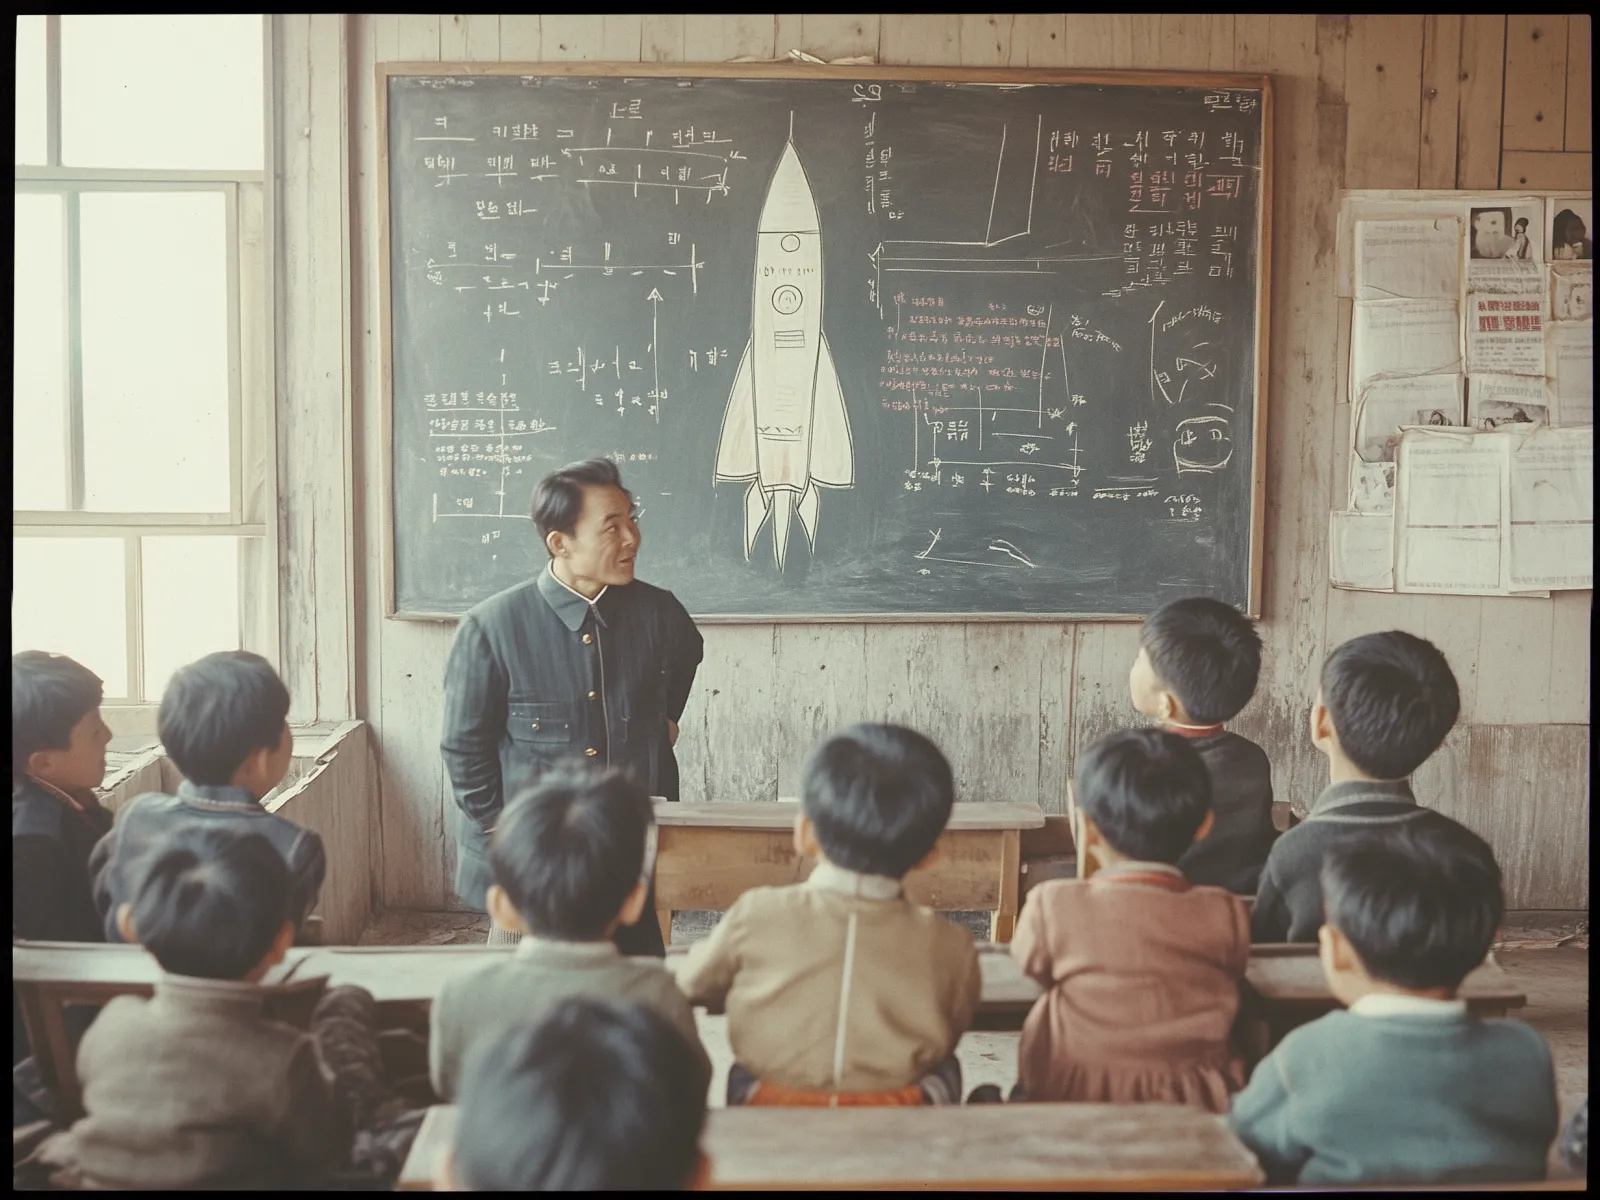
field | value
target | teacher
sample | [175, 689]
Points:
[583, 659]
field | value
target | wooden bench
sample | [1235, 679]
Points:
[708, 855]
[1140, 1147]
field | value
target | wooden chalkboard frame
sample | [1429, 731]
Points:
[383, 71]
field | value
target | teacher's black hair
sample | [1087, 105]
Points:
[558, 497]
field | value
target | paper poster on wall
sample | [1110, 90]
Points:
[1449, 516]
[1552, 510]
[1389, 405]
[1571, 292]
[1403, 337]
[1505, 335]
[1416, 260]
[1372, 488]
[1572, 368]
[1570, 229]
[1497, 401]
[1361, 551]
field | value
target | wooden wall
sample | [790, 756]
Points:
[1363, 102]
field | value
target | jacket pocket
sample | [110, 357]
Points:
[544, 728]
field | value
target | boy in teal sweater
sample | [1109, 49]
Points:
[1406, 1086]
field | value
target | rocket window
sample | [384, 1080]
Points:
[787, 299]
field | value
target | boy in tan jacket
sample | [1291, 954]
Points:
[839, 990]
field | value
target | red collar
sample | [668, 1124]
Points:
[1192, 731]
[64, 796]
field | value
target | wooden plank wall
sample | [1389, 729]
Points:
[1363, 102]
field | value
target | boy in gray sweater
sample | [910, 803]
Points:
[572, 860]
[1406, 1086]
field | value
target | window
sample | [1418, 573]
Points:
[142, 399]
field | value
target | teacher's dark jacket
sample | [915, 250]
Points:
[537, 674]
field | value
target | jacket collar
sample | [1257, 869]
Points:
[1192, 731]
[223, 997]
[572, 608]
[1151, 874]
[218, 793]
[1349, 792]
[1389, 1004]
[548, 951]
[831, 878]
[81, 800]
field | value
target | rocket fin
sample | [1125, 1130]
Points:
[756, 508]
[782, 509]
[833, 460]
[807, 508]
[736, 445]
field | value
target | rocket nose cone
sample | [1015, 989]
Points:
[790, 206]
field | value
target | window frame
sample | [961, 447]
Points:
[250, 516]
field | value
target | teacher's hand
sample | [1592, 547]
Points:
[672, 733]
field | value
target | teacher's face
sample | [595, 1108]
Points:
[605, 540]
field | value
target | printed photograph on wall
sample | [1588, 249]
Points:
[1571, 229]
[1505, 231]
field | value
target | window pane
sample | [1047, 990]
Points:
[31, 145]
[68, 595]
[171, 92]
[191, 603]
[155, 351]
[39, 364]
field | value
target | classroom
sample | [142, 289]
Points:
[997, 406]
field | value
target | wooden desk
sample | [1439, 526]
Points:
[708, 855]
[1285, 988]
[1059, 1147]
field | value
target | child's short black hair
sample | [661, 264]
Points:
[570, 849]
[218, 711]
[597, 1096]
[1392, 698]
[1146, 790]
[1206, 653]
[209, 902]
[878, 796]
[1420, 905]
[50, 693]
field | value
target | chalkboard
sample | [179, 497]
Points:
[867, 343]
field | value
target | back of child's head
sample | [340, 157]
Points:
[218, 711]
[1420, 905]
[1392, 698]
[210, 902]
[1146, 790]
[1206, 653]
[50, 693]
[878, 797]
[570, 849]
[597, 1096]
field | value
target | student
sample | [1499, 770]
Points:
[1385, 703]
[1141, 967]
[194, 1086]
[224, 723]
[1407, 1086]
[595, 1097]
[839, 990]
[1575, 1139]
[571, 861]
[58, 758]
[1196, 668]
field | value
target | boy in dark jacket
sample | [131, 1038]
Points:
[223, 722]
[1385, 704]
[1196, 668]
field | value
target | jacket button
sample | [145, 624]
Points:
[592, 695]
[591, 752]
[587, 638]
[536, 724]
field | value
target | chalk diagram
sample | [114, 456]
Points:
[1201, 444]
[786, 429]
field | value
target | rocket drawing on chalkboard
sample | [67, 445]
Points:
[786, 429]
